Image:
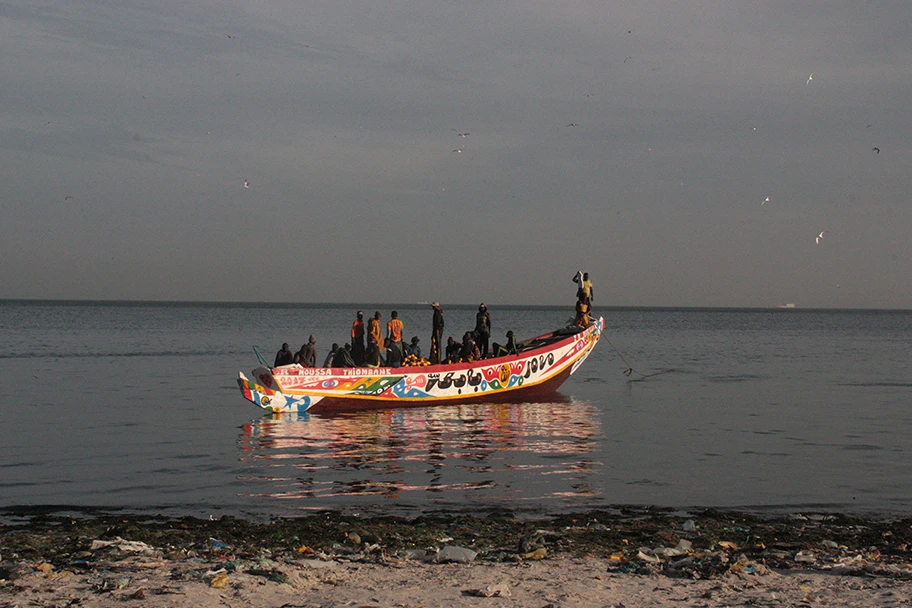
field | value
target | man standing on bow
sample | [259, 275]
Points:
[436, 333]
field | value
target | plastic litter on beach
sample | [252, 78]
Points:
[116, 557]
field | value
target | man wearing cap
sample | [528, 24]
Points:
[436, 333]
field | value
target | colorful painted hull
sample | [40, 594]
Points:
[542, 365]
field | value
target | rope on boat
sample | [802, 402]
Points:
[629, 370]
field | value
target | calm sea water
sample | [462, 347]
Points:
[136, 406]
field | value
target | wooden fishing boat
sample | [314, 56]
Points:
[540, 366]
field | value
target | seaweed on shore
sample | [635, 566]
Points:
[635, 540]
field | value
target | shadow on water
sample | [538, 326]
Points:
[451, 456]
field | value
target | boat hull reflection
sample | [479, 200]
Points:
[527, 455]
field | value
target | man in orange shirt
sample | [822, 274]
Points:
[357, 335]
[374, 331]
[394, 327]
[394, 333]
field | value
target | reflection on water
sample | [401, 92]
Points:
[531, 455]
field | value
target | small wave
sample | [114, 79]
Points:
[737, 378]
[877, 384]
[646, 482]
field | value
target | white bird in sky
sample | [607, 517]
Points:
[765, 201]
[810, 78]
[819, 236]
[246, 183]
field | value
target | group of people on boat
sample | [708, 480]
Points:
[371, 346]
[475, 344]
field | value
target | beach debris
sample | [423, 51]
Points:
[745, 566]
[320, 564]
[499, 590]
[448, 554]
[656, 555]
[805, 557]
[127, 546]
[12, 572]
[273, 574]
[456, 555]
[219, 581]
[636, 541]
[418, 555]
[532, 540]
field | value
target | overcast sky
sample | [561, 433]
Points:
[457, 151]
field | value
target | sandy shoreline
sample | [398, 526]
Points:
[633, 558]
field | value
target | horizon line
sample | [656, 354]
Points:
[415, 305]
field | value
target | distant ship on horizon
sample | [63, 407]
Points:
[789, 305]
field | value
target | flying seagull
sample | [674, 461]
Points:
[464, 134]
[820, 236]
[876, 149]
[246, 183]
[66, 198]
[810, 78]
[765, 201]
[458, 150]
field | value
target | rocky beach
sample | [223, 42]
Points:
[618, 557]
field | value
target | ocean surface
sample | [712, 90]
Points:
[135, 406]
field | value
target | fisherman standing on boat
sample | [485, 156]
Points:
[357, 336]
[482, 329]
[284, 356]
[582, 312]
[373, 354]
[394, 329]
[585, 285]
[436, 333]
[374, 331]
